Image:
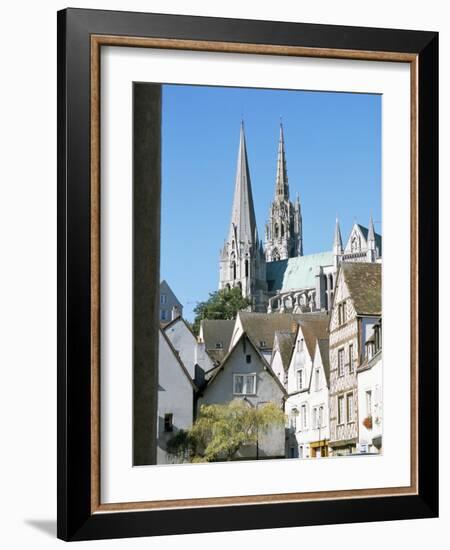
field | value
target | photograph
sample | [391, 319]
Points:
[270, 296]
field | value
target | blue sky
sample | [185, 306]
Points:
[333, 156]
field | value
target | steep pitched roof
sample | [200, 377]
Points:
[285, 341]
[323, 347]
[178, 358]
[214, 331]
[296, 273]
[261, 327]
[378, 238]
[314, 327]
[364, 285]
[214, 372]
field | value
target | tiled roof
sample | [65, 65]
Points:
[215, 331]
[364, 284]
[286, 341]
[324, 350]
[314, 326]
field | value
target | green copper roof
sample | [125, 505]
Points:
[296, 273]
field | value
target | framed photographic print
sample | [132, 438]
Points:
[247, 256]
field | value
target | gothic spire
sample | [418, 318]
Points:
[371, 234]
[243, 222]
[337, 243]
[281, 186]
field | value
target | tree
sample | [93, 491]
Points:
[221, 430]
[222, 304]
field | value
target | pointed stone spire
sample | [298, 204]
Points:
[243, 221]
[337, 243]
[281, 185]
[371, 234]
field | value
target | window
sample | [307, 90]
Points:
[369, 402]
[340, 409]
[168, 422]
[321, 416]
[163, 299]
[300, 379]
[244, 384]
[233, 270]
[262, 344]
[315, 418]
[219, 345]
[351, 364]
[248, 358]
[341, 362]
[300, 344]
[304, 418]
[246, 268]
[163, 315]
[293, 419]
[350, 407]
[342, 313]
[317, 379]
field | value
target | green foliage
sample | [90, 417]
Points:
[222, 304]
[221, 430]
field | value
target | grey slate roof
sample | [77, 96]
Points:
[364, 284]
[378, 238]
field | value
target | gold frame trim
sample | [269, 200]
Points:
[97, 41]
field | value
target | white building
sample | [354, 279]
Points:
[307, 388]
[370, 395]
[175, 398]
[245, 374]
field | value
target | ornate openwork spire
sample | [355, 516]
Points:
[281, 182]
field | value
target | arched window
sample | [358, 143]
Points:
[331, 282]
[233, 269]
[282, 230]
[246, 268]
[276, 231]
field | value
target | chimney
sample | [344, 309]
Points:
[175, 312]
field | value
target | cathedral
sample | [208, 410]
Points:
[276, 276]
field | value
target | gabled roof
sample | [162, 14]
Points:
[284, 341]
[178, 358]
[314, 326]
[268, 368]
[296, 273]
[261, 327]
[214, 331]
[365, 233]
[364, 285]
[323, 347]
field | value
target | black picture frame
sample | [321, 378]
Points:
[75, 518]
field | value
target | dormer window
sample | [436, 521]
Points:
[262, 344]
[219, 345]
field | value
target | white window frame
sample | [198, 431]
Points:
[317, 385]
[340, 362]
[304, 410]
[245, 377]
[299, 378]
[163, 299]
[340, 413]
[351, 409]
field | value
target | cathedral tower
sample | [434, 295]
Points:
[284, 237]
[242, 262]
